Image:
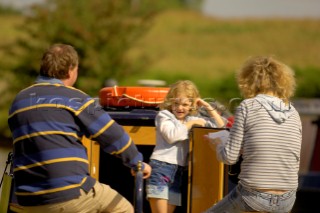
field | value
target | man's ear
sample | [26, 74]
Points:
[69, 72]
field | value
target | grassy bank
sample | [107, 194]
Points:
[185, 44]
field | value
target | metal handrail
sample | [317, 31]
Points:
[138, 191]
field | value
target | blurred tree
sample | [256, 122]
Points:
[102, 31]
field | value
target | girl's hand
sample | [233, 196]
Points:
[146, 171]
[202, 103]
[213, 113]
[199, 122]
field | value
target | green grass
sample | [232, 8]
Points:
[185, 44]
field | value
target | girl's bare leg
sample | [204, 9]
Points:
[161, 206]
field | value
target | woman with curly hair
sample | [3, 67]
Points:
[267, 133]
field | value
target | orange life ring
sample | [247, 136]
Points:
[132, 96]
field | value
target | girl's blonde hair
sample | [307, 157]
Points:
[261, 75]
[182, 87]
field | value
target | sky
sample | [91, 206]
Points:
[19, 3]
[262, 8]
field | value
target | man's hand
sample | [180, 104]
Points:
[146, 171]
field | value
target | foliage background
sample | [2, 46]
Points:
[149, 39]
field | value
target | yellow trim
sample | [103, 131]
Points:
[124, 148]
[103, 129]
[57, 85]
[46, 133]
[57, 106]
[52, 190]
[77, 112]
[51, 162]
[37, 84]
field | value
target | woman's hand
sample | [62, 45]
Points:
[212, 142]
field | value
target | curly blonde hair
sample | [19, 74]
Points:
[262, 75]
[182, 87]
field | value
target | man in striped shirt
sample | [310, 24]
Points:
[48, 121]
[267, 132]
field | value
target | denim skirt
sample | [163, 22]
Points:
[165, 182]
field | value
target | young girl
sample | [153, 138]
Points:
[169, 158]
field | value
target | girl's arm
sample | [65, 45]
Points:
[213, 113]
[196, 122]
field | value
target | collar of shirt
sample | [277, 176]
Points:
[44, 79]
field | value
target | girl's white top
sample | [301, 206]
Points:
[172, 138]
